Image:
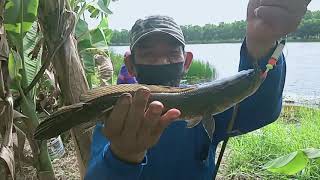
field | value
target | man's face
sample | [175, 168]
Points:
[158, 49]
[159, 59]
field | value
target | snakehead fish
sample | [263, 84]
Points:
[196, 103]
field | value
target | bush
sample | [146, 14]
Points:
[200, 72]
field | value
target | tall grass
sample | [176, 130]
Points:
[117, 62]
[297, 128]
[200, 72]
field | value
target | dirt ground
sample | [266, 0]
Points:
[65, 168]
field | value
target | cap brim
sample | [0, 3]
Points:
[155, 31]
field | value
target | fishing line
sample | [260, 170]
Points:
[225, 142]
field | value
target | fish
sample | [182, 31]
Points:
[196, 103]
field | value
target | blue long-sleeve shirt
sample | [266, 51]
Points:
[184, 153]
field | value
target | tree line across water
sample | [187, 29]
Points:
[309, 30]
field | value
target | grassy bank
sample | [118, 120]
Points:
[297, 128]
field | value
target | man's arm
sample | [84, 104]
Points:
[260, 109]
[267, 21]
[104, 165]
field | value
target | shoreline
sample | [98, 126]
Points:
[301, 101]
[225, 42]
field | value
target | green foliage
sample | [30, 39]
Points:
[120, 37]
[294, 162]
[92, 41]
[289, 164]
[95, 38]
[32, 66]
[89, 63]
[211, 33]
[100, 6]
[81, 29]
[250, 153]
[94, 7]
[196, 34]
[22, 69]
[15, 68]
[309, 29]
[18, 19]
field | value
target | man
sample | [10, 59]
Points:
[124, 77]
[138, 142]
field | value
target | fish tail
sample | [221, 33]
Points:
[55, 124]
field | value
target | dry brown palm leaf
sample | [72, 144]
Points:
[6, 108]
[24, 131]
[6, 147]
[18, 148]
[20, 138]
[105, 68]
[4, 54]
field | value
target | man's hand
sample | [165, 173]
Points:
[269, 20]
[132, 127]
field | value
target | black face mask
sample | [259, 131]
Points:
[167, 75]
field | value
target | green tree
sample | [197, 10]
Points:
[235, 31]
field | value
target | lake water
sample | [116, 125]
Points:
[303, 66]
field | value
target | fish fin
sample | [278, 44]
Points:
[89, 126]
[193, 121]
[56, 123]
[209, 125]
[105, 112]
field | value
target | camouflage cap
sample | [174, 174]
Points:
[155, 24]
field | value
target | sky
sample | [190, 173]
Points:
[200, 12]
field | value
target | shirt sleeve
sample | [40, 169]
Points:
[104, 165]
[260, 109]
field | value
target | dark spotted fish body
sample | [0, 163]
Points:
[194, 102]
